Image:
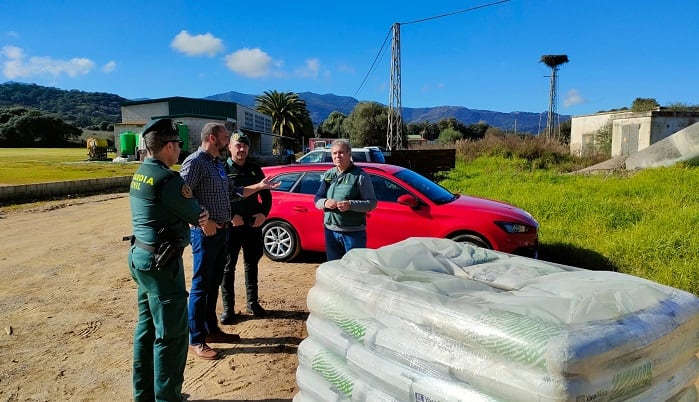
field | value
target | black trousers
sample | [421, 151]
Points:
[249, 239]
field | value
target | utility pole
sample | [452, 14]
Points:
[394, 135]
[553, 61]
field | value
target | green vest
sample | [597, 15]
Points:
[341, 188]
[160, 198]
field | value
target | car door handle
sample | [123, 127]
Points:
[300, 209]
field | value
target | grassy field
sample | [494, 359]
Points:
[38, 165]
[644, 223]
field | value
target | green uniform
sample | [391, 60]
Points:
[159, 198]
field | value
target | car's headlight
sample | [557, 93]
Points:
[510, 227]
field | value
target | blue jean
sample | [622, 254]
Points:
[339, 243]
[209, 255]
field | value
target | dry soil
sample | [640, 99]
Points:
[68, 308]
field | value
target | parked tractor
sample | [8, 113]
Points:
[97, 149]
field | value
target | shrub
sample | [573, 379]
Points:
[538, 152]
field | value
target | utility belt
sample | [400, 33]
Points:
[164, 251]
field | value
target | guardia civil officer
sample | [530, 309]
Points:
[248, 215]
[162, 207]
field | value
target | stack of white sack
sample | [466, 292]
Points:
[434, 320]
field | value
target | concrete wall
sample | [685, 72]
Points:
[588, 124]
[144, 112]
[641, 124]
[39, 191]
[261, 125]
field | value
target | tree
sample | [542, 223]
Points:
[565, 128]
[449, 136]
[288, 113]
[332, 126]
[367, 124]
[475, 131]
[20, 127]
[644, 105]
[603, 138]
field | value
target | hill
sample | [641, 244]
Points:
[86, 109]
[82, 109]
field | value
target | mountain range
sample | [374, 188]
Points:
[92, 108]
[320, 106]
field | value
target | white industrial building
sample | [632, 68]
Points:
[192, 114]
[631, 131]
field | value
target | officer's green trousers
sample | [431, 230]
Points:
[161, 334]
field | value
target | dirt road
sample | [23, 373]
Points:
[68, 308]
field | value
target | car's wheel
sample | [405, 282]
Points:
[280, 241]
[472, 239]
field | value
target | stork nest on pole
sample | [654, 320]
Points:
[554, 60]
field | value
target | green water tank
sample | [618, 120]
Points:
[127, 143]
[184, 135]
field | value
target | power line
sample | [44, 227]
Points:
[373, 65]
[390, 30]
[454, 12]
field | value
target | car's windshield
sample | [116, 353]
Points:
[431, 190]
[377, 155]
[315, 156]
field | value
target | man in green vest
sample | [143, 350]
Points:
[162, 208]
[346, 195]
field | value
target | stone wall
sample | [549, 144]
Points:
[39, 191]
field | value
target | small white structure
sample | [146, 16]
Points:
[631, 131]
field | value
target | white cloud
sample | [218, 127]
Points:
[573, 98]
[197, 45]
[309, 70]
[252, 63]
[12, 52]
[345, 68]
[12, 34]
[109, 67]
[18, 66]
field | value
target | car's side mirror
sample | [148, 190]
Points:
[409, 200]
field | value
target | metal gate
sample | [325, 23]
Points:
[629, 138]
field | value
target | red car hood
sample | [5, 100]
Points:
[495, 207]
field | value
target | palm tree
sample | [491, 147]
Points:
[288, 113]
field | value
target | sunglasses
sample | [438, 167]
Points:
[177, 141]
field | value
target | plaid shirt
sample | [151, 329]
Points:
[210, 185]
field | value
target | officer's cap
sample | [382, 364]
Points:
[165, 127]
[240, 137]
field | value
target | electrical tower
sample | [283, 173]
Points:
[553, 61]
[394, 135]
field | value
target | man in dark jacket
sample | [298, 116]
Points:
[246, 230]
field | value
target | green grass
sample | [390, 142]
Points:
[644, 224]
[38, 165]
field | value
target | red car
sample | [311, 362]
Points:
[409, 205]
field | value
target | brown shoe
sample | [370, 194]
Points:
[222, 337]
[203, 351]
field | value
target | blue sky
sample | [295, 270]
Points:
[482, 59]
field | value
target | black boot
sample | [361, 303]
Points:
[228, 295]
[228, 317]
[251, 269]
[256, 309]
